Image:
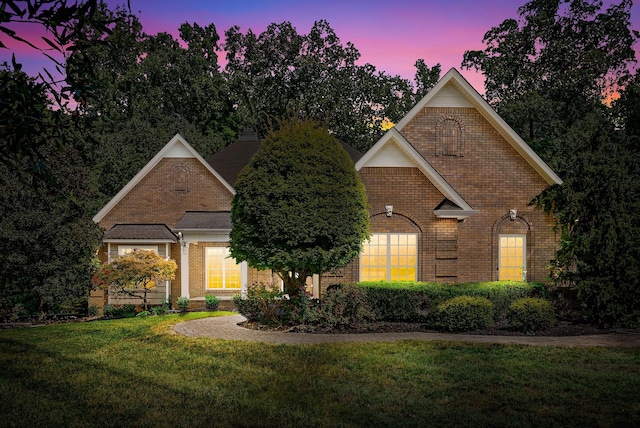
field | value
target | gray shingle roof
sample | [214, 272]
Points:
[205, 220]
[140, 232]
[229, 161]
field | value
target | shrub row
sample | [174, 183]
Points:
[417, 301]
[351, 306]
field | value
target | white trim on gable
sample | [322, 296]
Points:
[443, 94]
[177, 147]
[399, 152]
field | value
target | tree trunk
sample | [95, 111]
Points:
[293, 282]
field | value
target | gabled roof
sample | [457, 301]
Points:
[455, 88]
[139, 232]
[230, 160]
[404, 154]
[205, 220]
[177, 147]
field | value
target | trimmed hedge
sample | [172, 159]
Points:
[463, 313]
[531, 314]
[345, 306]
[119, 311]
[416, 301]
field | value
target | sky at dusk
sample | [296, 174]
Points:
[389, 35]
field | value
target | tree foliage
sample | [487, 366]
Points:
[546, 70]
[47, 238]
[300, 207]
[145, 89]
[550, 75]
[280, 73]
[68, 26]
[135, 273]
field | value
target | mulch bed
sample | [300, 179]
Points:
[561, 329]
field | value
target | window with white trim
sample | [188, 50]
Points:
[390, 257]
[222, 271]
[512, 258]
[127, 249]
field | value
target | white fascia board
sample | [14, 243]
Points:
[177, 139]
[202, 230]
[139, 241]
[394, 136]
[454, 78]
[457, 214]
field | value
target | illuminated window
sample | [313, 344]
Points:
[512, 258]
[127, 249]
[222, 271]
[389, 257]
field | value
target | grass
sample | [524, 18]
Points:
[136, 372]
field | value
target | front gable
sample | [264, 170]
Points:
[393, 150]
[175, 180]
[453, 94]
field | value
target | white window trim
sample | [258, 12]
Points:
[224, 279]
[524, 253]
[388, 263]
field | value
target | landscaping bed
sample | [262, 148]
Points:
[561, 329]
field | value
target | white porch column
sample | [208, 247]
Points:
[184, 270]
[315, 280]
[167, 283]
[244, 278]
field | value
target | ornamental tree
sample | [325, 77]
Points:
[300, 207]
[136, 273]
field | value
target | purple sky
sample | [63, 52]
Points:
[389, 35]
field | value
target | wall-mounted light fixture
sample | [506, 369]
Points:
[389, 209]
[513, 214]
[183, 243]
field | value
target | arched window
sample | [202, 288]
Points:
[449, 131]
[180, 178]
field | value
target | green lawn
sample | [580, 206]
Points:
[136, 372]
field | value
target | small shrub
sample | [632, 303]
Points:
[211, 302]
[183, 303]
[160, 310]
[119, 311]
[142, 314]
[263, 304]
[92, 310]
[531, 314]
[345, 306]
[463, 313]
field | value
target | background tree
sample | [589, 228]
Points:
[68, 25]
[300, 207]
[552, 66]
[550, 74]
[135, 274]
[47, 238]
[281, 73]
[147, 88]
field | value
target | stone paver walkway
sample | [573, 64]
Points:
[227, 327]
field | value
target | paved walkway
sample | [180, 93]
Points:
[227, 327]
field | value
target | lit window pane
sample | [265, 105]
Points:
[512, 258]
[221, 270]
[389, 257]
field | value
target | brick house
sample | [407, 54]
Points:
[448, 189]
